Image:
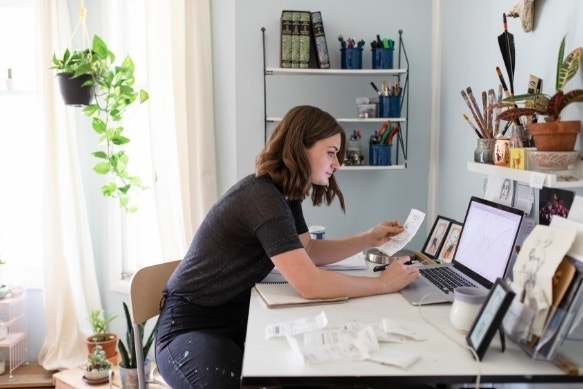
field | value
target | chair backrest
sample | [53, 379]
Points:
[145, 294]
[146, 290]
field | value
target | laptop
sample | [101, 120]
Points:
[483, 253]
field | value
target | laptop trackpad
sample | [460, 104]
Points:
[423, 292]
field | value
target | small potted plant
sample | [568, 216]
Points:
[112, 90]
[551, 106]
[98, 367]
[101, 336]
[128, 365]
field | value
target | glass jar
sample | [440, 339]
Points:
[484, 152]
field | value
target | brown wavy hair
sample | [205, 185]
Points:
[284, 156]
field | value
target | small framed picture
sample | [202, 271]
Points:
[436, 237]
[450, 242]
[490, 317]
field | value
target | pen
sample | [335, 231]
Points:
[375, 88]
[380, 268]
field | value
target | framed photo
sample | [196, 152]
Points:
[450, 242]
[490, 317]
[436, 237]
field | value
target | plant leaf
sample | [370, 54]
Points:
[560, 63]
[102, 168]
[569, 68]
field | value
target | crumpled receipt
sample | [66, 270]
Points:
[397, 242]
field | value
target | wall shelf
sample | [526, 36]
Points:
[401, 72]
[532, 178]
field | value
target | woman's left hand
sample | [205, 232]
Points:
[384, 231]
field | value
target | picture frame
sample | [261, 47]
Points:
[436, 237]
[489, 319]
[450, 242]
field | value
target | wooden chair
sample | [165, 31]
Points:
[145, 294]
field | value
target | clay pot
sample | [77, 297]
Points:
[555, 136]
[109, 346]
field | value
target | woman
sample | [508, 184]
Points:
[257, 224]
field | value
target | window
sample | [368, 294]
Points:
[21, 148]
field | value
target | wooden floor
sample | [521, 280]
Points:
[27, 376]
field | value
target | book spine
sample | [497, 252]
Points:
[305, 38]
[286, 39]
[295, 46]
[321, 47]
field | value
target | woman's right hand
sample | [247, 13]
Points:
[398, 275]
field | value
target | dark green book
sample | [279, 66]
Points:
[286, 39]
[319, 38]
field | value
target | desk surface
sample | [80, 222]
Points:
[272, 362]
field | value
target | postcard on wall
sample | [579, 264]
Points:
[500, 190]
[552, 202]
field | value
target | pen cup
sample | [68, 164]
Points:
[382, 58]
[389, 106]
[351, 58]
[379, 155]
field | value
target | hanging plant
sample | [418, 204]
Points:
[113, 93]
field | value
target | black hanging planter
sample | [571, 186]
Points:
[73, 91]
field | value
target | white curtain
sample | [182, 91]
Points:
[70, 282]
[180, 109]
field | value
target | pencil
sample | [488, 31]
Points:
[472, 125]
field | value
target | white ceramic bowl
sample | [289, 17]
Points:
[552, 160]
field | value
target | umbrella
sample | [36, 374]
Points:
[506, 43]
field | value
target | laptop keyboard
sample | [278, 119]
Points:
[445, 278]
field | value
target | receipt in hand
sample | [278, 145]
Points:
[411, 226]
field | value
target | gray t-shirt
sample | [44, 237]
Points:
[231, 250]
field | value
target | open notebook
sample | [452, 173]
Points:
[282, 294]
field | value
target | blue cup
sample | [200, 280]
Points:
[382, 58]
[379, 155]
[394, 106]
[351, 58]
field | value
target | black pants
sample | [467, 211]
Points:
[201, 347]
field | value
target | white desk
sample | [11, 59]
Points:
[271, 362]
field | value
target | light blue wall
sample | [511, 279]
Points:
[470, 54]
[370, 196]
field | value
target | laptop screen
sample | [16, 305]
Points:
[487, 240]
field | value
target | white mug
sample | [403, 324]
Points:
[467, 302]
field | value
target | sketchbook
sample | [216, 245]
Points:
[282, 294]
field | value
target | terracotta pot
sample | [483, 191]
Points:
[109, 346]
[555, 136]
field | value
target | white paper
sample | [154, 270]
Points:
[576, 250]
[500, 190]
[401, 359]
[355, 262]
[296, 327]
[576, 210]
[536, 263]
[397, 242]
[523, 198]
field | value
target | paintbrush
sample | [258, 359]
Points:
[467, 100]
[472, 125]
[476, 107]
[485, 109]
[491, 99]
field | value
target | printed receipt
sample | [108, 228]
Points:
[411, 226]
[315, 342]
